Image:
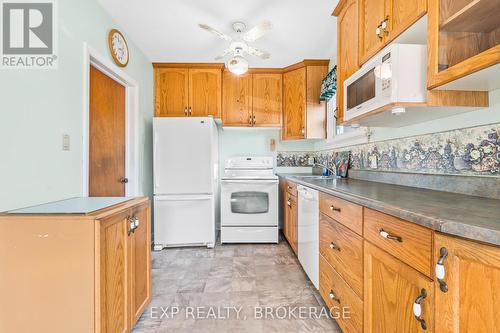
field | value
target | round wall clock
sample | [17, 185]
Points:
[118, 48]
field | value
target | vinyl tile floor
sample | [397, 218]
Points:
[233, 288]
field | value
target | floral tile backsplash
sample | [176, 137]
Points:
[472, 151]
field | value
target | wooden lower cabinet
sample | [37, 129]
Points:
[391, 289]
[113, 289]
[290, 226]
[140, 264]
[344, 305]
[471, 300]
[82, 273]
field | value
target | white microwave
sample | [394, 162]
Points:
[397, 74]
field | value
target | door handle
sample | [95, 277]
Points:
[440, 271]
[124, 180]
[190, 111]
[384, 25]
[254, 121]
[250, 120]
[387, 235]
[186, 111]
[417, 308]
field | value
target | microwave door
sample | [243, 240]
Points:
[360, 93]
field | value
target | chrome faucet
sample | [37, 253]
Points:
[333, 172]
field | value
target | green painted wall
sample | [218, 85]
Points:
[39, 106]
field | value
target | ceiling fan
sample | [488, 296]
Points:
[238, 46]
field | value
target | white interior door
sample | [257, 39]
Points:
[183, 151]
[184, 220]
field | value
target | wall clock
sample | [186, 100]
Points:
[118, 47]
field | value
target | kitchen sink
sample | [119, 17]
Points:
[315, 177]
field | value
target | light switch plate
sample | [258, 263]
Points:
[65, 142]
[272, 144]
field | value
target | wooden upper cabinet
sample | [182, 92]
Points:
[472, 280]
[183, 90]
[464, 37]
[205, 90]
[171, 92]
[381, 21]
[347, 49]
[294, 104]
[252, 99]
[267, 99]
[237, 99]
[401, 14]
[372, 13]
[391, 290]
[304, 115]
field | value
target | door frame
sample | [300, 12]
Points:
[94, 58]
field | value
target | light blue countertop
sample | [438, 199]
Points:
[72, 206]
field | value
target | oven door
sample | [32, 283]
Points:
[249, 202]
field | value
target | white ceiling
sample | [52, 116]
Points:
[167, 30]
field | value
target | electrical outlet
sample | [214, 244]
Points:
[65, 142]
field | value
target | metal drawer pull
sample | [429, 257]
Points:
[417, 308]
[387, 235]
[440, 271]
[249, 120]
[254, 121]
[332, 296]
[334, 209]
[334, 246]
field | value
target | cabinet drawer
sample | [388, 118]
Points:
[344, 212]
[343, 249]
[406, 241]
[291, 188]
[339, 297]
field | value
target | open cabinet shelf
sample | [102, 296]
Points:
[475, 16]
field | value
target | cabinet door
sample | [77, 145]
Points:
[113, 306]
[205, 92]
[472, 277]
[140, 263]
[237, 99]
[294, 104]
[401, 14]
[291, 222]
[463, 38]
[391, 289]
[315, 109]
[267, 99]
[372, 13]
[347, 50]
[171, 92]
[294, 224]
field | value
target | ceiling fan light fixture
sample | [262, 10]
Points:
[237, 65]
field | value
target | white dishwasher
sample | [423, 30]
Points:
[308, 232]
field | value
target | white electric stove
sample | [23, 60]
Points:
[249, 201]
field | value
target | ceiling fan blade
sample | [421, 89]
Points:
[258, 31]
[258, 53]
[215, 32]
[223, 55]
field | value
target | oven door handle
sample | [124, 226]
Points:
[252, 181]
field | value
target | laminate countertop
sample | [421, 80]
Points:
[461, 215]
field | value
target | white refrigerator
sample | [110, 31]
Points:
[185, 162]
